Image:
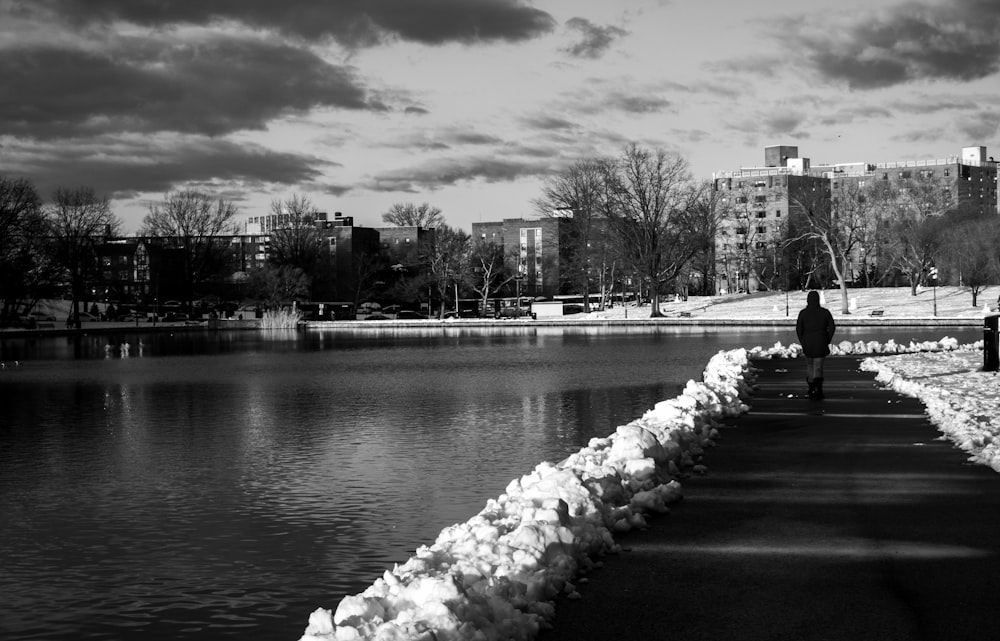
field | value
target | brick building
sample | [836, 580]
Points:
[537, 248]
[760, 201]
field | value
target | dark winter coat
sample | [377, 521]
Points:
[815, 328]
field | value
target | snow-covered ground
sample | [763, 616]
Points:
[895, 303]
[497, 575]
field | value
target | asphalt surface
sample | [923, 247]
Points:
[841, 519]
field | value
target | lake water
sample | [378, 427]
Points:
[224, 485]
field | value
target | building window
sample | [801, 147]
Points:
[761, 229]
[761, 214]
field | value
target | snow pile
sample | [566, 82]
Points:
[496, 575]
[961, 399]
[844, 348]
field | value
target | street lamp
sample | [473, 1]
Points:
[933, 273]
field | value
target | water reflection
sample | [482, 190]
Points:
[225, 485]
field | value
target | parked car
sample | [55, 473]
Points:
[39, 317]
[376, 317]
[409, 314]
[174, 317]
[132, 317]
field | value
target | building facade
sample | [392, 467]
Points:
[758, 202]
[761, 204]
[536, 247]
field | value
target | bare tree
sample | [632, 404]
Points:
[652, 200]
[296, 241]
[366, 266]
[487, 271]
[25, 264]
[194, 223]
[970, 252]
[916, 212]
[579, 196]
[840, 222]
[79, 219]
[411, 215]
[707, 214]
[446, 258]
[751, 253]
[276, 285]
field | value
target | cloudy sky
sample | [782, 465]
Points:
[469, 104]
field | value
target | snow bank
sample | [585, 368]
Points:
[844, 348]
[496, 575]
[961, 399]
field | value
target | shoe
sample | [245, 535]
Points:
[819, 389]
[812, 388]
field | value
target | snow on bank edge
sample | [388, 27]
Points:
[970, 423]
[496, 575]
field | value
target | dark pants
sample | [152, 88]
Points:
[814, 368]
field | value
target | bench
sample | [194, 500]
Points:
[877, 311]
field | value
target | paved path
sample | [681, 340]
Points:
[843, 519]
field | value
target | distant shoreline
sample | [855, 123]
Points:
[473, 323]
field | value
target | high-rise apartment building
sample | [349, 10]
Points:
[760, 201]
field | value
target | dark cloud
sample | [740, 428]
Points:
[350, 22]
[329, 189]
[549, 123]
[758, 65]
[413, 109]
[913, 41]
[450, 171]
[209, 87]
[122, 168]
[639, 104]
[444, 139]
[924, 135]
[472, 138]
[937, 104]
[691, 135]
[786, 123]
[846, 116]
[595, 40]
[981, 127]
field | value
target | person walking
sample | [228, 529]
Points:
[815, 328]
